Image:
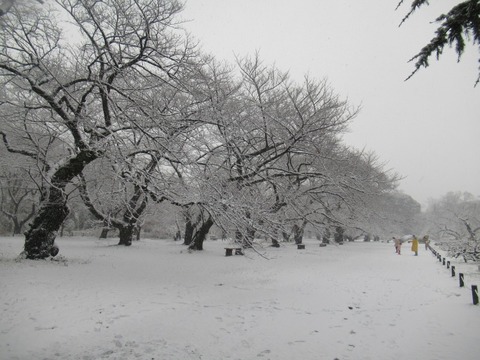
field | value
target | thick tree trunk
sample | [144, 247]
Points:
[39, 239]
[326, 236]
[200, 235]
[104, 233]
[126, 235]
[131, 217]
[338, 236]
[17, 227]
[298, 237]
[298, 232]
[189, 229]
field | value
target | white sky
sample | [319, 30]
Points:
[427, 129]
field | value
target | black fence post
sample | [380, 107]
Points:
[475, 294]
[453, 271]
[460, 277]
[448, 264]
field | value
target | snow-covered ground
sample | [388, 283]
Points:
[155, 300]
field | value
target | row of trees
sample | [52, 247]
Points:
[109, 106]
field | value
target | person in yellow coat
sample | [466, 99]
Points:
[415, 245]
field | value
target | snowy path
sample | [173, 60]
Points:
[156, 301]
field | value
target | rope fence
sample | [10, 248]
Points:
[461, 276]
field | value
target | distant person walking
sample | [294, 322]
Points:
[398, 245]
[415, 245]
[426, 239]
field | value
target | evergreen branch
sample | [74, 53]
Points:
[415, 5]
[462, 21]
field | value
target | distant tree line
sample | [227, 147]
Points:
[454, 221]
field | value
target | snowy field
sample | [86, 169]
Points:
[155, 300]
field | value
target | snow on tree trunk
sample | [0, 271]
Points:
[40, 238]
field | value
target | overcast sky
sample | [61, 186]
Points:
[427, 129]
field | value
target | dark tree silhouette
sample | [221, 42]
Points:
[461, 23]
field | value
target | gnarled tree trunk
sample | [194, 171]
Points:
[136, 206]
[40, 237]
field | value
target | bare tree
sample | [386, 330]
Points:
[120, 199]
[18, 198]
[454, 220]
[88, 95]
[6, 5]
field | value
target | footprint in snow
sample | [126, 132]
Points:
[263, 353]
